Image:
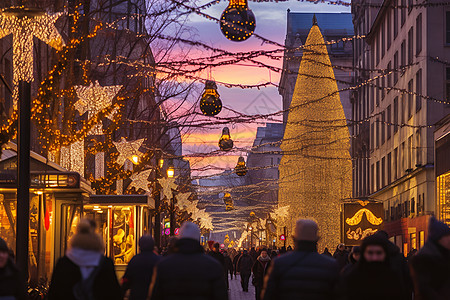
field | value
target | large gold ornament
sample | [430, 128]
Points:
[316, 168]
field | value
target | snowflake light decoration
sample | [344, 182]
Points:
[128, 149]
[140, 180]
[167, 184]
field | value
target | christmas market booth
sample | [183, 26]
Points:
[121, 221]
[56, 199]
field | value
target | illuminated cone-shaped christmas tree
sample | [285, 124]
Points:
[315, 171]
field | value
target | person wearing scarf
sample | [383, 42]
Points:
[259, 270]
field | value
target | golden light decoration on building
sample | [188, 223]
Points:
[237, 22]
[128, 150]
[228, 202]
[241, 168]
[316, 168]
[210, 103]
[357, 218]
[140, 180]
[24, 24]
[225, 141]
[93, 99]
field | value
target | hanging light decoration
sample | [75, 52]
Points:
[210, 104]
[228, 202]
[241, 168]
[237, 21]
[225, 142]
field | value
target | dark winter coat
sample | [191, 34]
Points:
[399, 264]
[259, 270]
[301, 274]
[372, 281]
[188, 274]
[219, 257]
[430, 270]
[235, 260]
[228, 264]
[341, 258]
[245, 264]
[67, 274]
[138, 275]
[10, 283]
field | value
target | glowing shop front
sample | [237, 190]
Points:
[56, 199]
[121, 221]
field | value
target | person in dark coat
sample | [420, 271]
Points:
[138, 274]
[12, 286]
[253, 253]
[373, 277]
[326, 252]
[217, 255]
[235, 261]
[188, 273]
[228, 264]
[259, 270]
[430, 267]
[245, 265]
[303, 273]
[341, 256]
[84, 271]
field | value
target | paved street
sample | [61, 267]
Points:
[236, 292]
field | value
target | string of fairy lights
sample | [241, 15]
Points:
[72, 140]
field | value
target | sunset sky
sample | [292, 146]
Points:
[271, 24]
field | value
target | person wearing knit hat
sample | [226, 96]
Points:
[139, 272]
[430, 266]
[303, 273]
[373, 277]
[84, 272]
[12, 286]
[188, 273]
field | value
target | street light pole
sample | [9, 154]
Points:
[23, 177]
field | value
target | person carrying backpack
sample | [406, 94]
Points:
[84, 273]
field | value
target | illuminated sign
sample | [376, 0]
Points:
[282, 237]
[361, 219]
[177, 231]
[167, 231]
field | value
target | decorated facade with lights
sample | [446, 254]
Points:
[315, 170]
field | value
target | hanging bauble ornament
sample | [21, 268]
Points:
[225, 142]
[237, 21]
[228, 202]
[210, 104]
[241, 168]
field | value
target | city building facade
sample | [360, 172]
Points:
[442, 170]
[403, 93]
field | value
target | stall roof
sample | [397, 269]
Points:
[122, 199]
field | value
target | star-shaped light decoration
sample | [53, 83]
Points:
[128, 150]
[182, 200]
[167, 184]
[140, 180]
[93, 99]
[23, 28]
[280, 213]
[204, 218]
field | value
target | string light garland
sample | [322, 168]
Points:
[237, 22]
[210, 103]
[24, 24]
[309, 195]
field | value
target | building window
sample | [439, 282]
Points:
[418, 90]
[410, 45]
[371, 96]
[421, 239]
[377, 99]
[389, 77]
[372, 175]
[403, 12]
[389, 29]
[395, 67]
[447, 27]
[383, 172]
[410, 6]
[395, 114]
[389, 168]
[378, 175]
[403, 159]
[413, 205]
[403, 111]
[447, 84]
[383, 39]
[395, 164]
[382, 126]
[418, 149]
[410, 98]
[372, 135]
[378, 48]
[403, 55]
[395, 27]
[377, 134]
[419, 34]
[413, 240]
[383, 85]
[410, 153]
[388, 122]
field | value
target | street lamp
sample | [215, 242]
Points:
[170, 170]
[171, 174]
[135, 159]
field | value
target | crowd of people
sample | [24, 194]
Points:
[375, 270]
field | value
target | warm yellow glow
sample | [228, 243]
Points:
[39, 192]
[170, 172]
[135, 159]
[316, 168]
[357, 218]
[128, 149]
[161, 163]
[140, 180]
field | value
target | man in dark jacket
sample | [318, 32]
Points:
[245, 264]
[11, 284]
[228, 264]
[259, 270]
[188, 273]
[235, 261]
[341, 256]
[430, 267]
[303, 273]
[139, 271]
[215, 253]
